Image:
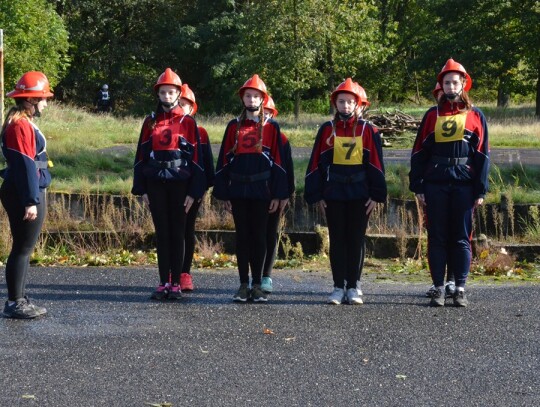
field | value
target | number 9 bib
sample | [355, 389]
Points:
[450, 128]
[348, 150]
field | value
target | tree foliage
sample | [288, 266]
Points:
[35, 39]
[301, 48]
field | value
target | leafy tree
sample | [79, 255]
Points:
[35, 39]
[304, 47]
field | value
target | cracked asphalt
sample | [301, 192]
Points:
[104, 343]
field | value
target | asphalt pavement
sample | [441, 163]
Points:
[105, 343]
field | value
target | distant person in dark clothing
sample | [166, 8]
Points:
[103, 101]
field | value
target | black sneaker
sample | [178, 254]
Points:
[431, 292]
[438, 298]
[450, 289]
[175, 293]
[161, 292]
[257, 294]
[242, 294]
[37, 308]
[20, 309]
[460, 300]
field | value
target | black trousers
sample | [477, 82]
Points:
[189, 237]
[250, 221]
[25, 235]
[271, 242]
[169, 216]
[347, 223]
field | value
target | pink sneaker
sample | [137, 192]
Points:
[186, 282]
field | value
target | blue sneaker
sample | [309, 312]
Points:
[266, 285]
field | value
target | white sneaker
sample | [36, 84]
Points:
[352, 297]
[359, 289]
[336, 297]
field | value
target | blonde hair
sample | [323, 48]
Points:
[17, 112]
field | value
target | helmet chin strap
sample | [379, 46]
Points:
[170, 105]
[346, 116]
[454, 95]
[36, 112]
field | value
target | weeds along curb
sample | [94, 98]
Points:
[377, 246]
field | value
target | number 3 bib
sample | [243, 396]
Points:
[348, 150]
[450, 128]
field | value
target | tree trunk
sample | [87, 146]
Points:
[503, 98]
[538, 93]
[296, 105]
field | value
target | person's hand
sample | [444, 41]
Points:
[145, 199]
[322, 205]
[188, 202]
[274, 205]
[478, 202]
[283, 203]
[370, 205]
[421, 198]
[30, 213]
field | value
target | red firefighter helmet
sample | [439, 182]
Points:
[270, 105]
[33, 84]
[347, 86]
[453, 66]
[254, 83]
[188, 94]
[362, 93]
[437, 90]
[168, 78]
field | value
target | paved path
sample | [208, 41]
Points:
[105, 344]
[499, 156]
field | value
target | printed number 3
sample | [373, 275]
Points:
[166, 137]
[249, 141]
[350, 150]
[449, 128]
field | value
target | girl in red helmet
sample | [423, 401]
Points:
[189, 106]
[169, 174]
[251, 179]
[23, 192]
[270, 112]
[449, 175]
[345, 177]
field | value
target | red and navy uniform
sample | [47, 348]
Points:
[250, 174]
[209, 172]
[169, 137]
[25, 181]
[273, 218]
[243, 172]
[330, 181]
[169, 167]
[24, 147]
[450, 166]
[208, 157]
[346, 172]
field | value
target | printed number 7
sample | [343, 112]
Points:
[350, 150]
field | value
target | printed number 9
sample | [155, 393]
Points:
[449, 128]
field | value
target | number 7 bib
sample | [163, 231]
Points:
[450, 128]
[348, 150]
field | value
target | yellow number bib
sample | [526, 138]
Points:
[348, 150]
[450, 128]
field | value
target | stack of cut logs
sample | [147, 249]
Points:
[392, 125]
